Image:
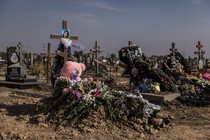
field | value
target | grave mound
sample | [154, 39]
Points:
[86, 106]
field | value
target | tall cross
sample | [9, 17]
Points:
[63, 54]
[200, 52]
[96, 51]
[173, 49]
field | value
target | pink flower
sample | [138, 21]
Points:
[76, 94]
[97, 93]
[65, 91]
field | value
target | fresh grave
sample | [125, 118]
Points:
[74, 101]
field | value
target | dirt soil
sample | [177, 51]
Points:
[17, 121]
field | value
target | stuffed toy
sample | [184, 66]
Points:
[206, 75]
[73, 70]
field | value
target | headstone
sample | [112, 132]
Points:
[16, 76]
[88, 59]
[16, 69]
[79, 56]
[208, 63]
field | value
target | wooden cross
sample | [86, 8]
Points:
[63, 54]
[96, 50]
[58, 36]
[173, 49]
[200, 52]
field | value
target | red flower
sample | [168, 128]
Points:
[96, 93]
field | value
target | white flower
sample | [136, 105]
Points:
[65, 80]
[88, 98]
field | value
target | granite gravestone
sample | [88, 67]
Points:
[208, 64]
[88, 59]
[79, 56]
[16, 68]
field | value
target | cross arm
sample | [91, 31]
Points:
[58, 36]
[62, 54]
[199, 46]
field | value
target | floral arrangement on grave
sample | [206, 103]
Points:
[75, 99]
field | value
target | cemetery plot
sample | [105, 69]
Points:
[16, 75]
[90, 105]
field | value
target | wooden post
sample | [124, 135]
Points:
[48, 61]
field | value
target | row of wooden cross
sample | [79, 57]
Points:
[96, 50]
[200, 52]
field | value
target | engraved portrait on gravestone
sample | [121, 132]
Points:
[13, 59]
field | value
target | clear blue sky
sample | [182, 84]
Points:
[151, 24]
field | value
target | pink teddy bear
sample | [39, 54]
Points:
[206, 76]
[73, 70]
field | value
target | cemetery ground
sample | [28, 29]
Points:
[19, 120]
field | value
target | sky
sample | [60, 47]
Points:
[151, 24]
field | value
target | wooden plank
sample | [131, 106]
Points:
[58, 36]
[160, 98]
[64, 24]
